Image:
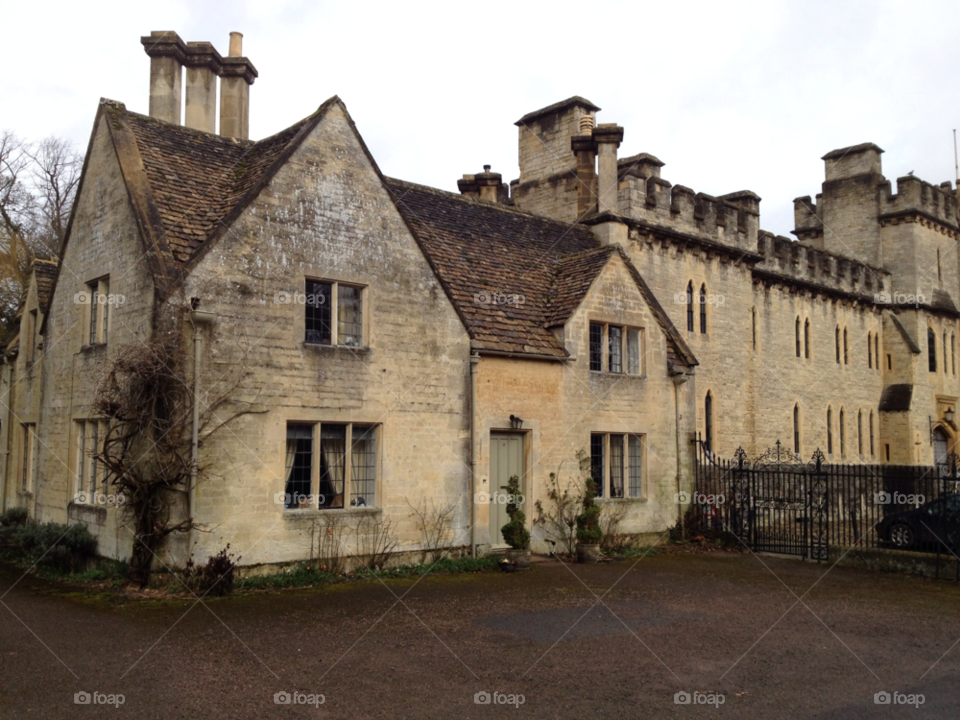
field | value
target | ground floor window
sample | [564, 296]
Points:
[318, 466]
[27, 461]
[89, 478]
[616, 464]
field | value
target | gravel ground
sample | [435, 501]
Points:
[716, 624]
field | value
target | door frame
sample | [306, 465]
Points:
[525, 437]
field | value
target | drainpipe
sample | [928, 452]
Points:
[198, 318]
[474, 361]
[679, 380]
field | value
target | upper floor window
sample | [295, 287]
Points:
[870, 350]
[753, 319]
[931, 350]
[953, 354]
[806, 338]
[797, 335]
[836, 334]
[703, 309]
[690, 306]
[326, 301]
[846, 349]
[796, 429]
[616, 344]
[98, 296]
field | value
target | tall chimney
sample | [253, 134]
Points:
[167, 53]
[585, 149]
[236, 77]
[204, 64]
[607, 136]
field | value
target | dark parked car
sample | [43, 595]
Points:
[925, 526]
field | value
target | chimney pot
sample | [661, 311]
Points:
[486, 168]
[236, 44]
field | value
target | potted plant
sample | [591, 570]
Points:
[515, 532]
[588, 526]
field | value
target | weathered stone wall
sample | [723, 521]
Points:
[326, 215]
[104, 240]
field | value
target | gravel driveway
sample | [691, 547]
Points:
[717, 626]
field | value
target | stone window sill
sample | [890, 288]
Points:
[618, 501]
[352, 349]
[311, 513]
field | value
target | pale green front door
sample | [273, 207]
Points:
[506, 460]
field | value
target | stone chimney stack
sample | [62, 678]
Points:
[204, 64]
[236, 77]
[484, 186]
[608, 137]
[585, 149]
[167, 53]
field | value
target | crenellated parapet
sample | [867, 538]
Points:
[731, 219]
[810, 269]
[930, 205]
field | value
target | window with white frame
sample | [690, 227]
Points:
[98, 294]
[89, 478]
[616, 349]
[327, 301]
[616, 464]
[321, 474]
[28, 436]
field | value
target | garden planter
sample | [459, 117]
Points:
[588, 553]
[520, 557]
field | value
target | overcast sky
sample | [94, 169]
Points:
[729, 95]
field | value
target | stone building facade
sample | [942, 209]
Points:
[408, 348]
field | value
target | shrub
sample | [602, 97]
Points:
[588, 521]
[13, 517]
[65, 548]
[214, 577]
[515, 532]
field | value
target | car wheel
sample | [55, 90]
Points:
[901, 536]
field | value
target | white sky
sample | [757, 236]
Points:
[729, 95]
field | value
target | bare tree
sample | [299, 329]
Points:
[56, 172]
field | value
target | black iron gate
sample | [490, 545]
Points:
[775, 504]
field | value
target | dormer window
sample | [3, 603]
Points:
[616, 349]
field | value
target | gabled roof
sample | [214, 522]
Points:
[489, 256]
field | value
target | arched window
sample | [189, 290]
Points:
[953, 354]
[876, 348]
[837, 342]
[690, 306]
[753, 319]
[796, 429]
[870, 350]
[931, 349]
[944, 353]
[846, 354]
[860, 432]
[798, 336]
[806, 338]
[708, 421]
[843, 434]
[703, 309]
[871, 433]
[829, 431]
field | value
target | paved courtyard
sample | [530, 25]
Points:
[777, 638]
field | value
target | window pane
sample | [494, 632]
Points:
[364, 466]
[94, 446]
[596, 346]
[616, 466]
[596, 462]
[81, 455]
[349, 317]
[616, 349]
[633, 352]
[105, 309]
[318, 312]
[635, 463]
[299, 466]
[92, 289]
[333, 445]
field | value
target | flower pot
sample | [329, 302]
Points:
[520, 557]
[588, 553]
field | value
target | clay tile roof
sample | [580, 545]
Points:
[500, 265]
[196, 178]
[46, 272]
[573, 276]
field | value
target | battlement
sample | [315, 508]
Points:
[731, 219]
[937, 203]
[806, 264]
